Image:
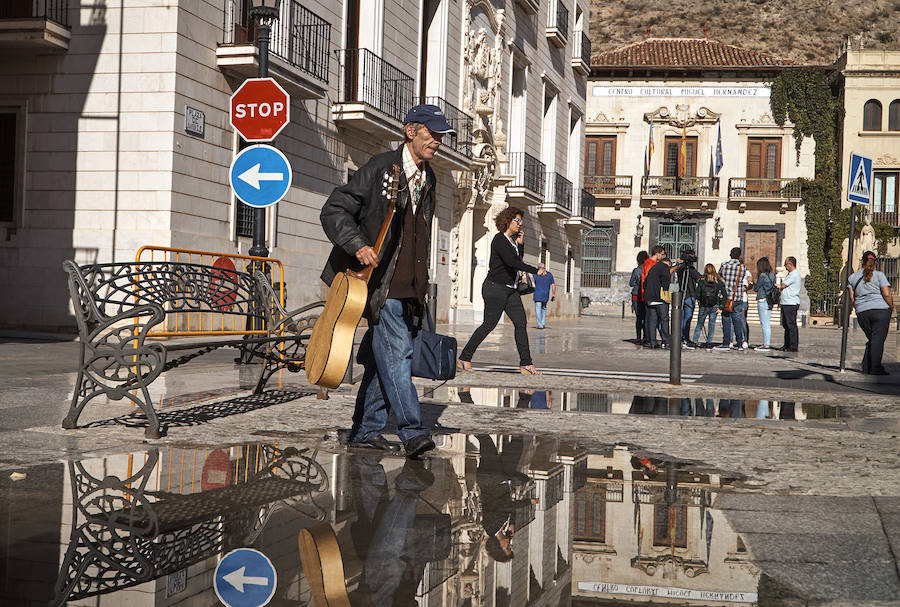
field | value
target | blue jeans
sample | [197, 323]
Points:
[736, 320]
[687, 314]
[705, 312]
[386, 356]
[765, 315]
[540, 313]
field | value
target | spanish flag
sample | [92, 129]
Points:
[682, 154]
[650, 150]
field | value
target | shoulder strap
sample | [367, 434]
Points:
[856, 284]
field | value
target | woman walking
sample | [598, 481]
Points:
[500, 293]
[871, 295]
[710, 298]
[765, 282]
[637, 303]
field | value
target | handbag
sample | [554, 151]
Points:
[434, 355]
[729, 303]
[773, 296]
[524, 284]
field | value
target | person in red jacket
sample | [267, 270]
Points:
[656, 253]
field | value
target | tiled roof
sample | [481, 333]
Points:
[685, 53]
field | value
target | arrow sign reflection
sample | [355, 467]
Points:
[237, 579]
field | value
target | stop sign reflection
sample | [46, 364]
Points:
[260, 109]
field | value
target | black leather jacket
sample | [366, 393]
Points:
[352, 217]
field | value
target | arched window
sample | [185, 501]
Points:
[872, 115]
[894, 115]
[596, 262]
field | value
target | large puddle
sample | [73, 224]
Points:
[629, 403]
[487, 520]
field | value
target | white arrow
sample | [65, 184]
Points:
[237, 578]
[252, 176]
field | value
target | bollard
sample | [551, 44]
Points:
[432, 303]
[623, 309]
[675, 335]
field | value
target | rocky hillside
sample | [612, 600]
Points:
[806, 31]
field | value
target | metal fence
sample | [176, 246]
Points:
[54, 10]
[608, 185]
[461, 140]
[740, 187]
[658, 185]
[586, 204]
[582, 52]
[562, 19]
[527, 172]
[300, 37]
[371, 80]
[559, 190]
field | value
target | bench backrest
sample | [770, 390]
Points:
[197, 299]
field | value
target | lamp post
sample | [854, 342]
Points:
[264, 13]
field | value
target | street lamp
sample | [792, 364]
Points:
[265, 13]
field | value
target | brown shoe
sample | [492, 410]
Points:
[529, 370]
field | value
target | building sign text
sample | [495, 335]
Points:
[681, 91]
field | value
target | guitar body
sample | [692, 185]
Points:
[320, 557]
[331, 342]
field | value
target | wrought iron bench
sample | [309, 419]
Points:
[124, 533]
[120, 307]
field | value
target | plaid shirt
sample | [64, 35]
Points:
[732, 272]
[414, 177]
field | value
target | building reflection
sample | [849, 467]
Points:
[489, 520]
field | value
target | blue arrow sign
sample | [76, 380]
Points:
[260, 175]
[859, 188]
[245, 578]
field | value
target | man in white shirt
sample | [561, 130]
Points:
[790, 303]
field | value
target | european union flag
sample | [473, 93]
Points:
[719, 161]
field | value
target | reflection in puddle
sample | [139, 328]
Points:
[488, 520]
[604, 402]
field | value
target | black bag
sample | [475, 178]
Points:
[434, 355]
[709, 294]
[524, 284]
[773, 296]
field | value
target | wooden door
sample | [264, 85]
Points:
[600, 164]
[763, 162]
[760, 244]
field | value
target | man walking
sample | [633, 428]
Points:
[732, 273]
[790, 303]
[352, 218]
[544, 291]
[655, 284]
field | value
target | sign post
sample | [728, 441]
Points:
[859, 190]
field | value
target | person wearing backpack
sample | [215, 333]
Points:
[710, 297]
[687, 277]
[765, 284]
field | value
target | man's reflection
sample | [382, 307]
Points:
[503, 487]
[393, 565]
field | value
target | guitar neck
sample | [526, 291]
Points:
[391, 195]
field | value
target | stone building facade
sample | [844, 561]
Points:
[116, 129]
[711, 96]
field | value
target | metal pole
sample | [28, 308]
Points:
[263, 31]
[845, 299]
[675, 334]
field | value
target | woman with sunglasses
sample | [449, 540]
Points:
[870, 293]
[500, 293]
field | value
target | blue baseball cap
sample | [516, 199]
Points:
[429, 115]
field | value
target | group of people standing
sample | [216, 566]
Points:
[726, 291]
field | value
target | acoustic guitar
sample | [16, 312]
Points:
[320, 557]
[331, 341]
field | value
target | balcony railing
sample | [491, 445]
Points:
[562, 20]
[300, 37]
[584, 51]
[54, 10]
[462, 123]
[527, 172]
[700, 187]
[608, 186]
[559, 191]
[371, 80]
[891, 218]
[586, 205]
[740, 187]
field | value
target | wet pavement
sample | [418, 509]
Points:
[488, 519]
[762, 479]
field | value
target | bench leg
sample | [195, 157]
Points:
[268, 369]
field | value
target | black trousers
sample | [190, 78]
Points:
[658, 320]
[640, 317]
[875, 324]
[497, 300]
[789, 322]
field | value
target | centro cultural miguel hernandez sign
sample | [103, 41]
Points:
[681, 91]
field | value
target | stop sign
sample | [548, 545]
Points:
[260, 108]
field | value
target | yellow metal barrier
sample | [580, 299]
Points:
[208, 320]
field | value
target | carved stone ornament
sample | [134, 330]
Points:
[483, 60]
[682, 116]
[887, 160]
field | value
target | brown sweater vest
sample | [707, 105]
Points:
[410, 279]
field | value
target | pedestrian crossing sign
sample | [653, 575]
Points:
[860, 186]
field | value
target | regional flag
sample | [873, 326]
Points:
[649, 150]
[682, 154]
[719, 161]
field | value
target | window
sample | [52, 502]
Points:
[673, 146]
[894, 115]
[872, 115]
[597, 258]
[600, 156]
[570, 266]
[7, 168]
[763, 163]
[670, 525]
[884, 197]
[544, 253]
[590, 513]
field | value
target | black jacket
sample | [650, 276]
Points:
[352, 217]
[687, 276]
[657, 279]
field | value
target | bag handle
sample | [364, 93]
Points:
[429, 321]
